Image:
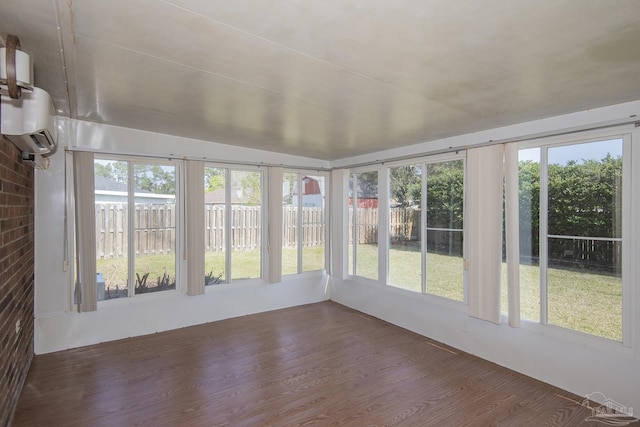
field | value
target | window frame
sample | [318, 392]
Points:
[383, 170]
[630, 186]
[179, 230]
[301, 173]
[264, 261]
[423, 162]
[382, 220]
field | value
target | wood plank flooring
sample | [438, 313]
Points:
[321, 364]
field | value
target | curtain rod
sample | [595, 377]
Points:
[204, 159]
[628, 121]
[631, 120]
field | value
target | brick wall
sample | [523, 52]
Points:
[16, 276]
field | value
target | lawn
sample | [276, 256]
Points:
[584, 301]
[580, 300]
[245, 264]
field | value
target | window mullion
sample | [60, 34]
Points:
[299, 228]
[227, 224]
[131, 253]
[423, 232]
[383, 225]
[355, 223]
[628, 179]
[544, 221]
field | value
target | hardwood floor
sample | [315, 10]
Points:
[321, 364]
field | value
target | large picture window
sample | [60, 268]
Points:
[363, 224]
[571, 236]
[427, 258]
[303, 223]
[136, 233]
[233, 224]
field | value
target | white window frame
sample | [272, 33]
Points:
[630, 186]
[300, 174]
[423, 162]
[382, 222]
[180, 229]
[383, 170]
[264, 261]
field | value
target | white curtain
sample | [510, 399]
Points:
[275, 224]
[194, 246]
[83, 177]
[484, 222]
[512, 218]
[339, 237]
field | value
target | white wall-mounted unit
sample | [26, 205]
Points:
[29, 122]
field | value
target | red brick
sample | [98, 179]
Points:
[16, 271]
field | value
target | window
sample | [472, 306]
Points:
[444, 230]
[215, 214]
[303, 223]
[431, 259]
[233, 224]
[571, 236]
[136, 233]
[405, 232]
[363, 223]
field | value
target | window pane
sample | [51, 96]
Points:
[585, 238]
[154, 228]
[313, 223]
[405, 266]
[529, 211]
[246, 224]
[112, 213]
[585, 189]
[445, 195]
[290, 223]
[214, 216]
[445, 264]
[366, 224]
[445, 210]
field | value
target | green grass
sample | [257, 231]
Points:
[245, 264]
[583, 301]
[579, 300]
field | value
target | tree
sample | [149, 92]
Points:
[584, 199]
[116, 171]
[152, 178]
[250, 184]
[367, 184]
[405, 185]
[445, 194]
[155, 178]
[214, 178]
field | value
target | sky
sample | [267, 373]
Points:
[587, 151]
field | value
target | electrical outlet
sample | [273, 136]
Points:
[466, 325]
[18, 326]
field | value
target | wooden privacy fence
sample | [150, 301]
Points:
[155, 228]
[404, 224]
[312, 228]
[245, 227]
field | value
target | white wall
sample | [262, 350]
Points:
[58, 326]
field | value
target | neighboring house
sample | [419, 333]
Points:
[217, 197]
[367, 194]
[311, 193]
[108, 190]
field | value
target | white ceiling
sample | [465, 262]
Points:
[328, 79]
